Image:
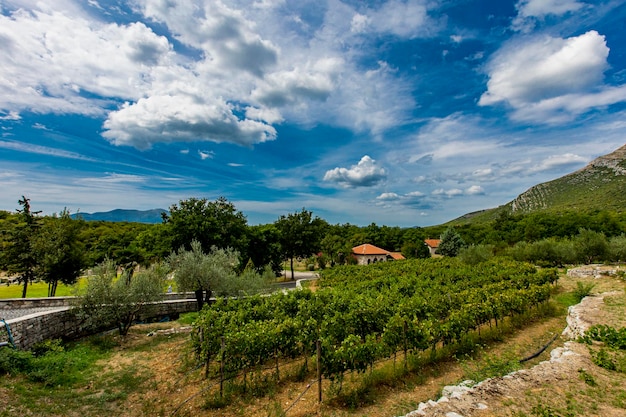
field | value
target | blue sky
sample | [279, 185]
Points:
[402, 112]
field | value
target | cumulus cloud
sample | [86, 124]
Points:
[388, 197]
[51, 60]
[232, 71]
[364, 174]
[475, 190]
[454, 192]
[161, 117]
[551, 79]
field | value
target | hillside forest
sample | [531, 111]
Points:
[56, 248]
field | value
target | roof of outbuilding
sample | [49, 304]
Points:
[433, 243]
[367, 249]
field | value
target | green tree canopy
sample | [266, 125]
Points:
[212, 223]
[451, 243]
[19, 252]
[300, 235]
[59, 251]
[108, 301]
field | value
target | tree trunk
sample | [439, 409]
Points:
[292, 274]
[199, 298]
[25, 287]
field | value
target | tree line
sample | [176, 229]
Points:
[56, 248]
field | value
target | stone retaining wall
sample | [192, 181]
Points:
[15, 303]
[62, 323]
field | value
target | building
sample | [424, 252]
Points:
[433, 245]
[367, 254]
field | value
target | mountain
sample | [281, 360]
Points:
[120, 215]
[601, 185]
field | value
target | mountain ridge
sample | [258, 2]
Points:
[599, 185]
[124, 215]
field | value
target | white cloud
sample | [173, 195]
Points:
[51, 59]
[531, 10]
[475, 190]
[159, 118]
[558, 161]
[114, 178]
[206, 154]
[551, 79]
[241, 69]
[388, 197]
[12, 116]
[42, 150]
[454, 192]
[365, 174]
[406, 19]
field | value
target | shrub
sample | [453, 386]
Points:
[582, 290]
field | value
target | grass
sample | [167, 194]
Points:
[62, 378]
[35, 290]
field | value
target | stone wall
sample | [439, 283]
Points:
[44, 302]
[62, 323]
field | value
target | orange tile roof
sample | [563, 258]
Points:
[433, 243]
[397, 256]
[367, 249]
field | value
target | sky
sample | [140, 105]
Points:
[400, 113]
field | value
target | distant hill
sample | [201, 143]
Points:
[120, 215]
[601, 185]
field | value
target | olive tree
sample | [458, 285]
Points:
[213, 273]
[112, 301]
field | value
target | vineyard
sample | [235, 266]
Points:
[361, 315]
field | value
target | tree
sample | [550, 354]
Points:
[212, 223]
[109, 300]
[264, 248]
[617, 248]
[211, 273]
[451, 242]
[59, 251]
[19, 253]
[335, 248]
[591, 246]
[418, 249]
[300, 235]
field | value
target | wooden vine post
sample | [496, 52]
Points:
[319, 370]
[222, 368]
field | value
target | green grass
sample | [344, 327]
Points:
[58, 379]
[38, 290]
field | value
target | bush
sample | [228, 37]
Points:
[476, 254]
[13, 362]
[582, 290]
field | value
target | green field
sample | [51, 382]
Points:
[35, 290]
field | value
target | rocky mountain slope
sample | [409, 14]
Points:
[599, 185]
